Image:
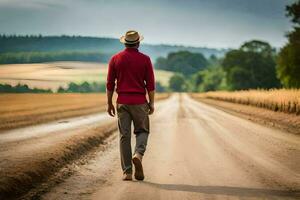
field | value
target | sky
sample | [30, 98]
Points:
[202, 23]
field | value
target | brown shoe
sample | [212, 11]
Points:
[137, 161]
[127, 177]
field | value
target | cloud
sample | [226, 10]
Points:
[214, 23]
[33, 4]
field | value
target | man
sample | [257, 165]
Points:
[134, 74]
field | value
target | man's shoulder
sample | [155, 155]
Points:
[117, 54]
[144, 55]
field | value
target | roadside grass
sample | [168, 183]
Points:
[279, 100]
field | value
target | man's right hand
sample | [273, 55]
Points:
[111, 110]
[151, 108]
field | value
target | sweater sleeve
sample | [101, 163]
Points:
[111, 76]
[150, 80]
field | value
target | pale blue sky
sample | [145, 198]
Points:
[210, 23]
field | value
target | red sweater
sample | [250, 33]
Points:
[134, 74]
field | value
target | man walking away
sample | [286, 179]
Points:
[134, 74]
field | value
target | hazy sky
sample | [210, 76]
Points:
[211, 23]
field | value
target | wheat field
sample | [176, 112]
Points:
[281, 100]
[19, 110]
[52, 75]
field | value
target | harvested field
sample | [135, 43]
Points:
[52, 75]
[28, 109]
[19, 110]
[281, 100]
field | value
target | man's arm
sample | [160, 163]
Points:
[110, 87]
[110, 106]
[151, 101]
[150, 85]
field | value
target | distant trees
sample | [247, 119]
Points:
[251, 66]
[160, 88]
[210, 79]
[288, 68]
[21, 88]
[37, 57]
[184, 62]
[109, 46]
[35, 49]
[177, 83]
[39, 43]
[84, 87]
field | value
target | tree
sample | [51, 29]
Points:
[288, 63]
[251, 66]
[211, 79]
[177, 83]
[183, 62]
[159, 87]
[61, 90]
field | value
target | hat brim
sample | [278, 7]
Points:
[122, 40]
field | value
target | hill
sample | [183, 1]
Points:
[105, 46]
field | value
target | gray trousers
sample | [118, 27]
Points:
[138, 114]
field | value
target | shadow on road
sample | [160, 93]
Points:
[225, 190]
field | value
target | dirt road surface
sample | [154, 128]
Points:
[195, 152]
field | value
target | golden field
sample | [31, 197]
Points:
[52, 75]
[18, 110]
[282, 100]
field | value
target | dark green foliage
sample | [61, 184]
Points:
[293, 11]
[159, 87]
[183, 62]
[20, 88]
[57, 43]
[251, 66]
[210, 79]
[84, 87]
[288, 65]
[37, 57]
[177, 83]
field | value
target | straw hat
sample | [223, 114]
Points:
[131, 37]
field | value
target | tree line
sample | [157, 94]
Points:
[39, 43]
[21, 88]
[38, 57]
[84, 87]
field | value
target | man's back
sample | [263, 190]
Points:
[134, 74]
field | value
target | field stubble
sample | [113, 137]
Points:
[19, 110]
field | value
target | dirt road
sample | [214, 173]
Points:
[196, 152]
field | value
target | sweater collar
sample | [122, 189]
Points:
[131, 49]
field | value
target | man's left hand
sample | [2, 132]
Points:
[111, 110]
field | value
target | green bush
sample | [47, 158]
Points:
[21, 88]
[177, 83]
